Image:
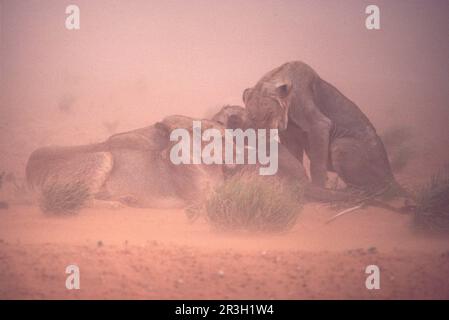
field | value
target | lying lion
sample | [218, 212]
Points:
[134, 168]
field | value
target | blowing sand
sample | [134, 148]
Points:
[131, 64]
[158, 254]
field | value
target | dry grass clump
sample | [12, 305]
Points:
[64, 199]
[254, 203]
[432, 204]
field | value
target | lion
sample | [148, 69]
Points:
[131, 168]
[134, 169]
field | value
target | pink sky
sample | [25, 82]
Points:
[137, 61]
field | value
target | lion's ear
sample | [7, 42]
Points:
[283, 89]
[246, 94]
[162, 128]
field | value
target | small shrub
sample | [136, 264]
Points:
[432, 204]
[254, 203]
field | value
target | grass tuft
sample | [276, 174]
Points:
[432, 204]
[254, 203]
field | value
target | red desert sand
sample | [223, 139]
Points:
[157, 254]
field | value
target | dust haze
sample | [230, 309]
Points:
[134, 62]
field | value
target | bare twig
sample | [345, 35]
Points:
[345, 212]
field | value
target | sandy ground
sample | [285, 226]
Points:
[159, 254]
